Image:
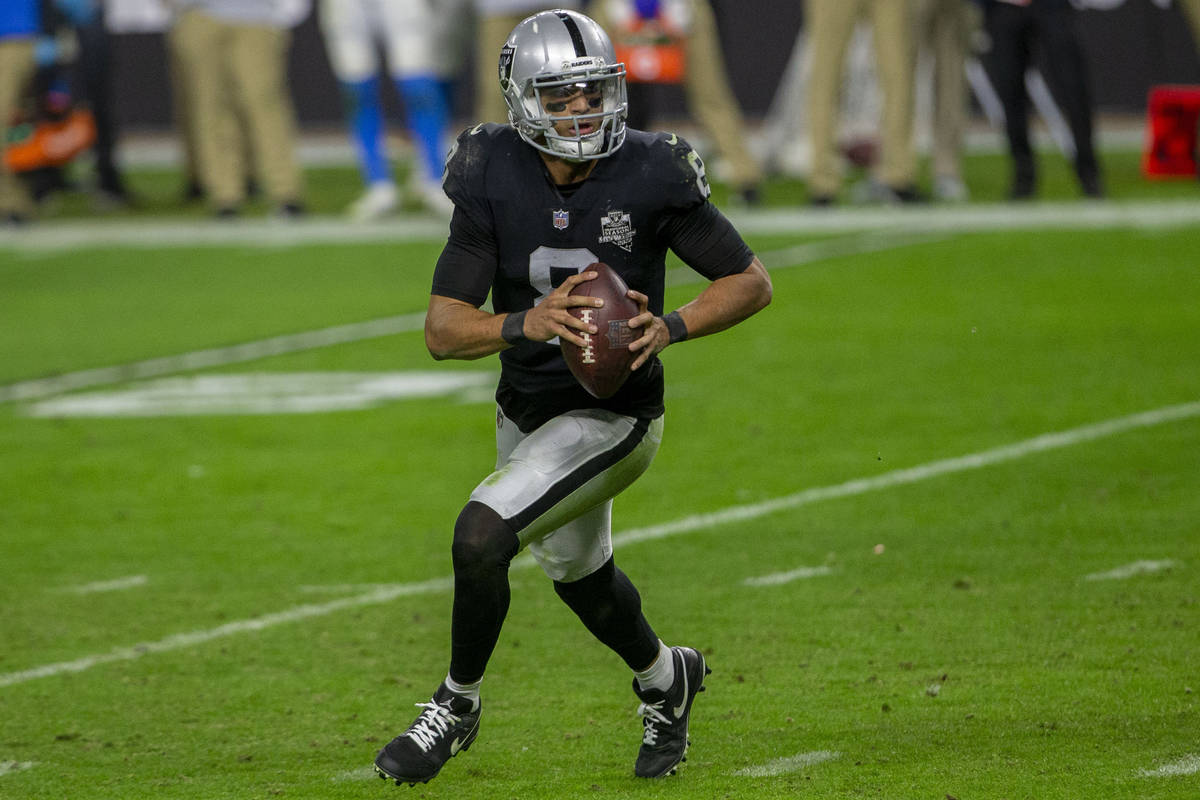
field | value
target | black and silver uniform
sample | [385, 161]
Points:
[516, 235]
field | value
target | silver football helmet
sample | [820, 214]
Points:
[548, 60]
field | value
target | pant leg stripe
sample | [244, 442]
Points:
[588, 470]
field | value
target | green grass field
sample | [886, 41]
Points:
[904, 588]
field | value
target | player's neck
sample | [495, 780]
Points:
[563, 172]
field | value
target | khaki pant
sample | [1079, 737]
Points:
[830, 24]
[943, 30]
[236, 81]
[1191, 10]
[491, 35]
[710, 100]
[16, 66]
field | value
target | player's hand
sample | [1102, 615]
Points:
[655, 336]
[551, 318]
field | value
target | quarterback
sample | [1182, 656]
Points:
[565, 185]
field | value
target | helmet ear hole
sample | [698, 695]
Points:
[556, 49]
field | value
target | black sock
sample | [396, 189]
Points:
[611, 608]
[483, 547]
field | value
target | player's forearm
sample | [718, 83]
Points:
[456, 330]
[727, 301]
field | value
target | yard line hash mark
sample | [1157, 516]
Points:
[1136, 568]
[1188, 765]
[780, 578]
[783, 766]
[7, 767]
[901, 477]
[115, 585]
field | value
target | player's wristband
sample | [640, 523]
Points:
[513, 328]
[676, 327]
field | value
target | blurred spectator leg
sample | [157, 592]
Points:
[95, 66]
[830, 24]
[1067, 75]
[493, 31]
[1010, 30]
[1191, 10]
[205, 56]
[711, 101]
[944, 30]
[182, 114]
[892, 33]
[257, 59]
[16, 68]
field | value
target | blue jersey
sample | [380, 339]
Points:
[19, 18]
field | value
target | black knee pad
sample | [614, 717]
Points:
[482, 540]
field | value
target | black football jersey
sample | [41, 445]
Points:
[516, 236]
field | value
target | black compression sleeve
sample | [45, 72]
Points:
[707, 241]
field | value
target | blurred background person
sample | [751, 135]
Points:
[418, 41]
[677, 42]
[233, 58]
[829, 25]
[1020, 32]
[20, 23]
[494, 21]
[943, 34]
[93, 88]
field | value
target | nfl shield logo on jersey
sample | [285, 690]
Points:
[561, 220]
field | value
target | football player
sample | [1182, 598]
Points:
[563, 186]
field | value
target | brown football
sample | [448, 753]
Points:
[603, 365]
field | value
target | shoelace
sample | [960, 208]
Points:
[652, 716]
[433, 723]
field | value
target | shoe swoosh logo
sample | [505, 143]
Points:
[455, 746]
[679, 708]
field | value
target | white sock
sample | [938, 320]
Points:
[661, 674]
[467, 690]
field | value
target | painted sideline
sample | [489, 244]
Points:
[1038, 444]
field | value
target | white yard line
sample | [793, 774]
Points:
[180, 641]
[74, 235]
[1188, 765]
[780, 578]
[38, 388]
[783, 766]
[1038, 444]
[215, 357]
[1136, 568]
[115, 585]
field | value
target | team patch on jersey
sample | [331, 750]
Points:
[561, 219]
[616, 228]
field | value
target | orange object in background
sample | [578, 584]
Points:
[52, 143]
[1172, 118]
[659, 62]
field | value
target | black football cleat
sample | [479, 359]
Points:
[448, 724]
[665, 715]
